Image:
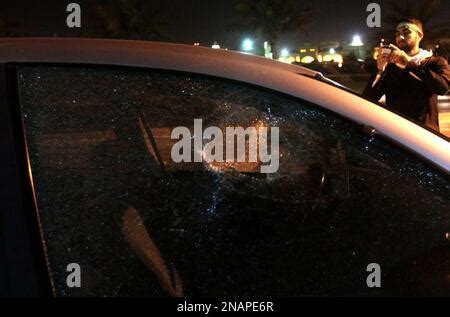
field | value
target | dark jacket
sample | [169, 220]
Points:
[412, 92]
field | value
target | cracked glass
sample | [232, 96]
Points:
[112, 200]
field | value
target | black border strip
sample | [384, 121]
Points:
[23, 250]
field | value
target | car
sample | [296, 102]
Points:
[94, 203]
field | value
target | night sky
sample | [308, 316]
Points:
[206, 21]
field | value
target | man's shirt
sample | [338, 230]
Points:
[412, 91]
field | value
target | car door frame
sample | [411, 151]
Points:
[23, 268]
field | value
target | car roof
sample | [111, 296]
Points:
[237, 66]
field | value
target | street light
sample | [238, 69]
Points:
[357, 41]
[268, 50]
[358, 44]
[247, 45]
[284, 52]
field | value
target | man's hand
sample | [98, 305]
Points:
[399, 57]
[382, 61]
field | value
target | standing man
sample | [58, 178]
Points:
[411, 78]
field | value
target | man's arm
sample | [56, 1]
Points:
[376, 87]
[435, 74]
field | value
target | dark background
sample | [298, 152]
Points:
[189, 21]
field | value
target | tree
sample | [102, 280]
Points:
[268, 20]
[128, 19]
[2, 27]
[8, 27]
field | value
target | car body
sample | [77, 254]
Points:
[351, 191]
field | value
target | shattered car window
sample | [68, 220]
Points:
[112, 199]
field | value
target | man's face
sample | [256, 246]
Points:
[406, 38]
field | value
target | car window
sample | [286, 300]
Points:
[112, 199]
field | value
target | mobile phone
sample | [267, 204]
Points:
[385, 50]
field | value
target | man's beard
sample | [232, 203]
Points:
[407, 47]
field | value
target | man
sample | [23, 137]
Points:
[411, 78]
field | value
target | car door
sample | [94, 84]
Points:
[110, 199]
